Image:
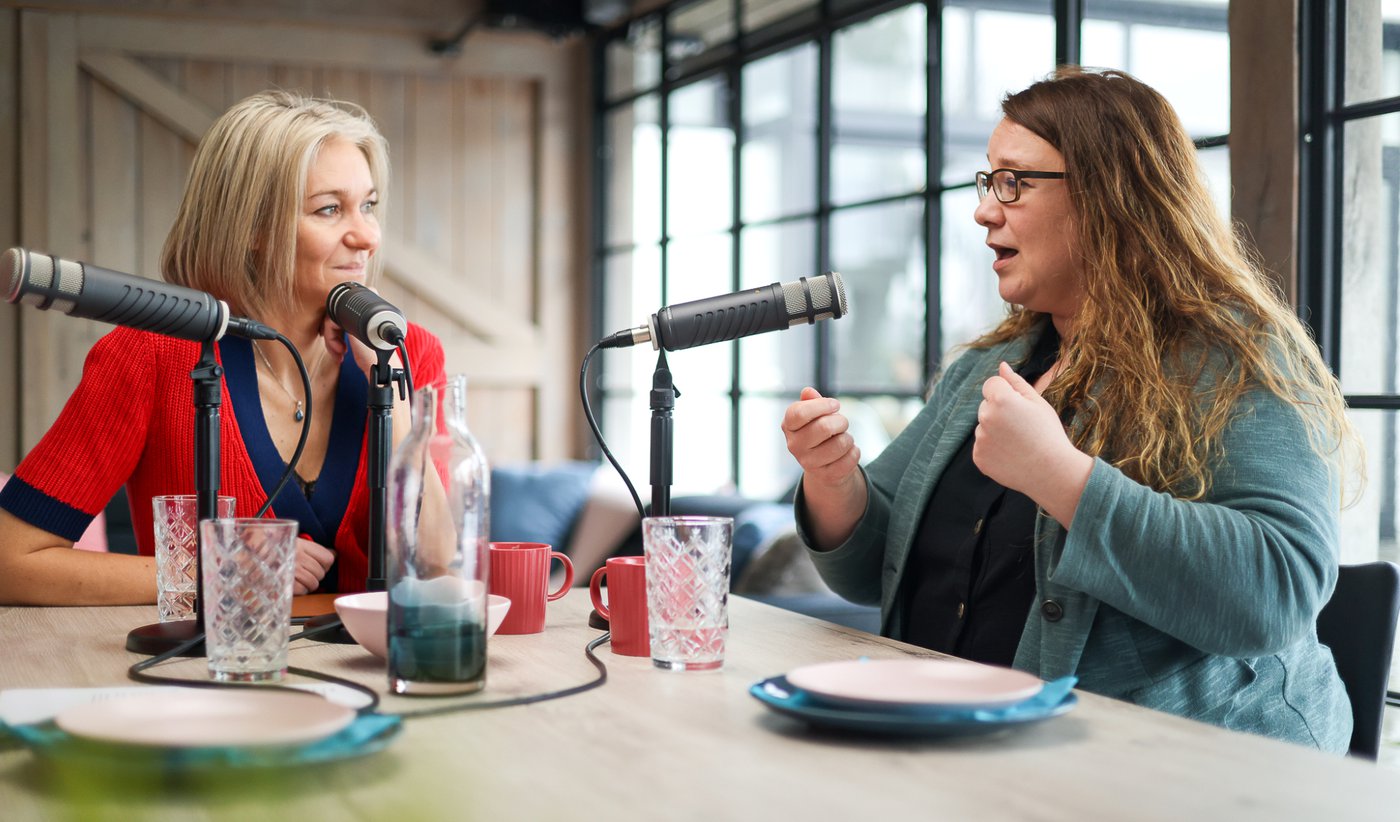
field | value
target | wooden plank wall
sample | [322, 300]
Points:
[9, 234]
[473, 231]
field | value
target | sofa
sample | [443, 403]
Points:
[585, 508]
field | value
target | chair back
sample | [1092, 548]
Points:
[1358, 624]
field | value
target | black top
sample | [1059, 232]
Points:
[970, 581]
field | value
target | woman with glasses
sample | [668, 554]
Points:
[1133, 479]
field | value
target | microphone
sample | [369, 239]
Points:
[741, 314]
[95, 293]
[368, 317]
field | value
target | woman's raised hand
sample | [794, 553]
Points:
[1021, 444]
[832, 484]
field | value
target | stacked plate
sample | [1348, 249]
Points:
[916, 697]
[183, 729]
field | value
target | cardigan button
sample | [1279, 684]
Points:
[1051, 610]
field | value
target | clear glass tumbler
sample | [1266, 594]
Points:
[176, 516]
[688, 562]
[249, 567]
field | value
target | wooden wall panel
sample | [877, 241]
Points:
[9, 235]
[463, 225]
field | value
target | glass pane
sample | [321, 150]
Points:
[626, 424]
[970, 304]
[779, 171]
[1216, 163]
[766, 469]
[704, 430]
[879, 251]
[634, 61]
[976, 79]
[1369, 527]
[760, 13]
[1147, 39]
[700, 267]
[700, 164]
[632, 157]
[879, 99]
[782, 360]
[697, 29]
[632, 293]
[1373, 50]
[1370, 245]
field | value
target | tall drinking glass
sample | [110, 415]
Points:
[176, 516]
[687, 562]
[249, 567]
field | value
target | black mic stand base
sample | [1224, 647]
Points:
[159, 637]
[337, 635]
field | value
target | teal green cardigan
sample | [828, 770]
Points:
[1203, 609]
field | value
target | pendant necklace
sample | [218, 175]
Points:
[300, 413]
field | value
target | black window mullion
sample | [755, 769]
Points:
[1320, 172]
[1069, 17]
[825, 372]
[933, 197]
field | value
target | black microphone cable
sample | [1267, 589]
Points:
[597, 432]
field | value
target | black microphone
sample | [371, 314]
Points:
[368, 317]
[95, 293]
[741, 314]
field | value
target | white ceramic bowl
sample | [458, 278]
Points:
[366, 616]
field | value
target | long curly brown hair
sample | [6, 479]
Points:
[1170, 294]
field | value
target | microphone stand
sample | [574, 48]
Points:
[380, 443]
[207, 377]
[663, 399]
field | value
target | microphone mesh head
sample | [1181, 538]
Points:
[13, 264]
[828, 295]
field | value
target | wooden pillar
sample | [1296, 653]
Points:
[1264, 132]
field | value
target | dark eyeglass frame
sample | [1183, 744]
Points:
[984, 181]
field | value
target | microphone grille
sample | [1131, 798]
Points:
[42, 281]
[13, 263]
[827, 296]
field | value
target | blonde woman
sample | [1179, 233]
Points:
[282, 204]
[1135, 477]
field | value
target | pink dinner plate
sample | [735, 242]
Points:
[924, 682]
[197, 718]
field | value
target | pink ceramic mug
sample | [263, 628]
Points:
[626, 612]
[520, 573]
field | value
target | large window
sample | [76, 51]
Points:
[745, 142]
[1350, 244]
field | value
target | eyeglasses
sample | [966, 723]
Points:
[1005, 183]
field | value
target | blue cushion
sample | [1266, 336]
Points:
[536, 502]
[754, 526]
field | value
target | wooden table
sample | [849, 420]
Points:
[654, 744]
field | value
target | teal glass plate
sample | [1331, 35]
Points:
[368, 734]
[1055, 699]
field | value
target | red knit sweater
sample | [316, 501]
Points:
[131, 421]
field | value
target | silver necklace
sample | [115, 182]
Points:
[300, 413]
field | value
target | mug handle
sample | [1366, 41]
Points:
[596, 594]
[568, 576]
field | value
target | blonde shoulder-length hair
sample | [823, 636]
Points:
[1177, 322]
[235, 231]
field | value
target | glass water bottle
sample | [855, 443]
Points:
[439, 555]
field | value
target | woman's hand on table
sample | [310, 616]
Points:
[1021, 444]
[313, 561]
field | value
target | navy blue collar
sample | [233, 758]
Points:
[320, 516]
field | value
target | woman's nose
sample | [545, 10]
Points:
[988, 212]
[363, 233]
